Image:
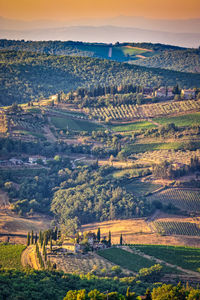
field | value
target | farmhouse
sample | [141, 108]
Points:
[161, 92]
[33, 160]
[71, 247]
[188, 94]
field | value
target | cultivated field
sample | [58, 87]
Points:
[84, 264]
[145, 111]
[185, 257]
[168, 155]
[184, 199]
[10, 256]
[17, 227]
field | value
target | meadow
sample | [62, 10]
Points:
[142, 188]
[184, 120]
[185, 257]
[10, 256]
[132, 126]
[73, 124]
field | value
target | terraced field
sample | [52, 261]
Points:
[82, 263]
[185, 199]
[135, 112]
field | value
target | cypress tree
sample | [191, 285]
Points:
[40, 237]
[121, 239]
[28, 239]
[51, 243]
[43, 248]
[32, 237]
[36, 238]
[98, 234]
[148, 294]
[109, 239]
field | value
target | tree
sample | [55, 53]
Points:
[109, 239]
[40, 238]
[32, 237]
[50, 243]
[36, 238]
[121, 240]
[28, 239]
[98, 234]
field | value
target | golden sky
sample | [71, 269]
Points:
[75, 9]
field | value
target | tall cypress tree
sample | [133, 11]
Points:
[109, 239]
[98, 234]
[32, 237]
[50, 243]
[121, 239]
[36, 238]
[28, 239]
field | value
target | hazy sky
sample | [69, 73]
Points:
[76, 9]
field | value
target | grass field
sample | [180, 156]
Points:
[185, 257]
[185, 199]
[185, 120]
[72, 124]
[10, 256]
[141, 188]
[138, 148]
[132, 126]
[131, 173]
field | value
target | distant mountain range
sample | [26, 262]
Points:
[184, 33]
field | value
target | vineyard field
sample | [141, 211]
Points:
[185, 120]
[141, 188]
[132, 126]
[184, 199]
[185, 257]
[136, 112]
[10, 256]
[177, 228]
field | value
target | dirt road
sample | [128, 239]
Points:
[29, 258]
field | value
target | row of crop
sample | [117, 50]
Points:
[178, 228]
[184, 199]
[143, 111]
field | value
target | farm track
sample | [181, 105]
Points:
[189, 273]
[28, 258]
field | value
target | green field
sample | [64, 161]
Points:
[131, 173]
[72, 124]
[185, 199]
[141, 188]
[10, 256]
[185, 120]
[185, 257]
[138, 148]
[132, 126]
[130, 261]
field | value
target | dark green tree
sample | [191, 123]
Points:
[98, 234]
[32, 238]
[121, 240]
[36, 238]
[28, 239]
[109, 239]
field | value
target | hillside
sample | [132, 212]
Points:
[26, 76]
[120, 51]
[178, 60]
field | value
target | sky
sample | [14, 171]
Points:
[66, 10]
